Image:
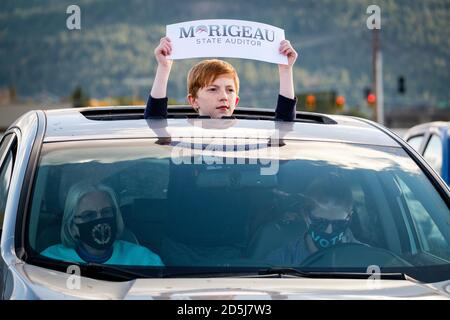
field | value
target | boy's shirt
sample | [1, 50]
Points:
[285, 109]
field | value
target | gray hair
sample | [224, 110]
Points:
[74, 195]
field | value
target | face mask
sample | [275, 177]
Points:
[318, 225]
[324, 240]
[99, 234]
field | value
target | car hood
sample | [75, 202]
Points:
[32, 282]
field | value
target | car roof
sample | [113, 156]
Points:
[421, 128]
[127, 122]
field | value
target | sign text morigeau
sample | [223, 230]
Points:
[226, 38]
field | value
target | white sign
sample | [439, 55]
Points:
[226, 38]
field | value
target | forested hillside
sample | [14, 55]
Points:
[39, 55]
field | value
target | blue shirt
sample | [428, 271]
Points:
[294, 253]
[124, 253]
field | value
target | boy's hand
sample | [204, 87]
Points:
[162, 51]
[286, 71]
[287, 50]
[159, 88]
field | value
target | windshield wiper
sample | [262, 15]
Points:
[323, 274]
[109, 272]
[93, 270]
[283, 272]
[252, 273]
[206, 274]
[278, 272]
[356, 275]
[119, 273]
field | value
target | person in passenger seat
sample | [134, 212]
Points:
[327, 208]
[91, 228]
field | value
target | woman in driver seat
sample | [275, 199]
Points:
[326, 207]
[91, 228]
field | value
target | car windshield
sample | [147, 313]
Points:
[162, 203]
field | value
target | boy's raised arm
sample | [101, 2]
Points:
[286, 101]
[157, 101]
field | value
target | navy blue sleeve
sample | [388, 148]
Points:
[156, 108]
[285, 108]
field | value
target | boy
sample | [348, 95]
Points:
[213, 85]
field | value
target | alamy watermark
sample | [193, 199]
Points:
[260, 149]
[73, 22]
[73, 282]
[373, 282]
[374, 20]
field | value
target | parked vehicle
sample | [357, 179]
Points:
[432, 141]
[217, 200]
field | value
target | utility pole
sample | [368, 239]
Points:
[377, 84]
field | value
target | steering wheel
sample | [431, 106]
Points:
[354, 255]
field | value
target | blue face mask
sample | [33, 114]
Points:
[322, 239]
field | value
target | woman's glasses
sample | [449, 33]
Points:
[89, 215]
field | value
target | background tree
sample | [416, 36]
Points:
[79, 98]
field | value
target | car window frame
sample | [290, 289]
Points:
[420, 147]
[8, 145]
[430, 136]
[10, 139]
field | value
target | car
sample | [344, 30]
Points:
[432, 141]
[206, 206]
